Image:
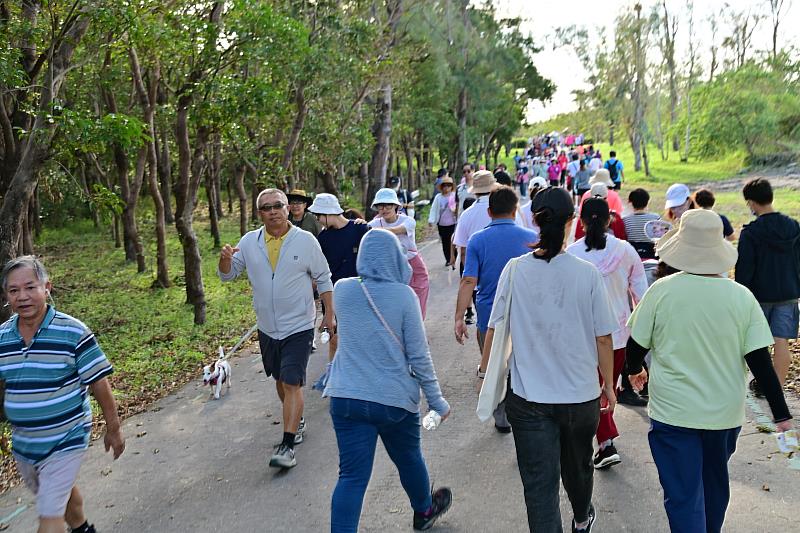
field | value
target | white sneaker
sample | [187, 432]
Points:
[301, 431]
[283, 457]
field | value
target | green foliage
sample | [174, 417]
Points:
[752, 108]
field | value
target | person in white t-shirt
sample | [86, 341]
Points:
[561, 330]
[524, 216]
[473, 219]
[404, 227]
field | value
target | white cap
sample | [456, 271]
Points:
[599, 190]
[677, 194]
[326, 204]
[538, 180]
[385, 196]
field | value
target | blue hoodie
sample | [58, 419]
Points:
[369, 365]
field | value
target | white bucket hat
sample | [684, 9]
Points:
[385, 196]
[599, 190]
[601, 176]
[697, 245]
[326, 204]
[677, 194]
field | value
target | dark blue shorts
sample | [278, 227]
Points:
[286, 359]
[783, 318]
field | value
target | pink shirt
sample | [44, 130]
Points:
[613, 200]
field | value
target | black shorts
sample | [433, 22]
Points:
[286, 359]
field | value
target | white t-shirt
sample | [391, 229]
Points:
[473, 219]
[408, 239]
[524, 217]
[623, 274]
[573, 168]
[594, 164]
[554, 325]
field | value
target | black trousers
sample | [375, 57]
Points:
[446, 236]
[554, 441]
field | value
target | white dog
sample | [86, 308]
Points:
[221, 374]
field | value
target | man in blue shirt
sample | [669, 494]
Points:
[488, 251]
[615, 169]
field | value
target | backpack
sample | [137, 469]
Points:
[613, 170]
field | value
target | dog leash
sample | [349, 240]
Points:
[224, 356]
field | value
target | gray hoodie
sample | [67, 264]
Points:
[369, 365]
[283, 299]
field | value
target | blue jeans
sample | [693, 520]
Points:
[693, 469]
[358, 424]
[523, 189]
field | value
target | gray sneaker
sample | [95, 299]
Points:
[301, 431]
[283, 457]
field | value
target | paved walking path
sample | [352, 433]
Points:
[198, 465]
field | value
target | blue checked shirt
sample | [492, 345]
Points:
[46, 385]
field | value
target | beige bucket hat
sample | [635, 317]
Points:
[483, 182]
[697, 245]
[601, 176]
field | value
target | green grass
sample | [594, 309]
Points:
[148, 334]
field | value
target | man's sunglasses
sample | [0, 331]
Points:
[266, 208]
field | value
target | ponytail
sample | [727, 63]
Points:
[595, 217]
[551, 232]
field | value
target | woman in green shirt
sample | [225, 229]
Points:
[704, 330]
[298, 212]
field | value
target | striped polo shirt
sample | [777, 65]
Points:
[46, 384]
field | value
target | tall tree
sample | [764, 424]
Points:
[668, 33]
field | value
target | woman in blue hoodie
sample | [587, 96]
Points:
[380, 365]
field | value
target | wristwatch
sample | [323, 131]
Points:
[480, 373]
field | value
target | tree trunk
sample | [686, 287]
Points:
[242, 195]
[147, 99]
[687, 140]
[382, 133]
[461, 114]
[165, 176]
[186, 197]
[211, 197]
[129, 190]
[611, 134]
[301, 111]
[27, 235]
[409, 166]
[329, 182]
[645, 159]
[217, 166]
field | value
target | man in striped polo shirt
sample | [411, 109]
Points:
[48, 363]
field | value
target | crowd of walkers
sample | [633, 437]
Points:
[605, 301]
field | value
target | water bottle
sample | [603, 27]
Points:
[324, 337]
[431, 420]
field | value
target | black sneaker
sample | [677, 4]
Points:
[755, 388]
[442, 498]
[502, 429]
[606, 458]
[469, 318]
[587, 529]
[629, 397]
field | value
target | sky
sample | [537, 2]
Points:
[562, 66]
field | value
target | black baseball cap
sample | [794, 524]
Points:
[556, 199]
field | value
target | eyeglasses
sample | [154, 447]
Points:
[266, 208]
[297, 202]
[384, 206]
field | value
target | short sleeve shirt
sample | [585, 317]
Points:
[488, 251]
[699, 329]
[46, 396]
[473, 219]
[340, 247]
[407, 239]
[558, 309]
